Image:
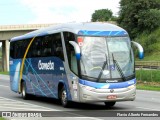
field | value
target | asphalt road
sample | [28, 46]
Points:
[10, 101]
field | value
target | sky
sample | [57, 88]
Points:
[13, 12]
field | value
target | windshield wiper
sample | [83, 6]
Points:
[104, 65]
[118, 68]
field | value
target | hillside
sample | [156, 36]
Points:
[151, 45]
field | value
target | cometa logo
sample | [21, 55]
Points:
[46, 66]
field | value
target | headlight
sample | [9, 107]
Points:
[88, 88]
[132, 86]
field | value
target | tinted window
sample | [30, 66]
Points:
[47, 46]
[12, 50]
[44, 46]
[36, 48]
[18, 48]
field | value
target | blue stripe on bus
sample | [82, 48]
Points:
[107, 85]
[102, 33]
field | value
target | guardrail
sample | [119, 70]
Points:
[148, 64]
[148, 71]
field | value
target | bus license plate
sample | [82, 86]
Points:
[112, 97]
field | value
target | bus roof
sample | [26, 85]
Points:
[89, 29]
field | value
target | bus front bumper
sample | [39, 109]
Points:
[89, 94]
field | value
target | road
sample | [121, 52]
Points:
[10, 101]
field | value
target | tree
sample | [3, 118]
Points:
[102, 15]
[138, 16]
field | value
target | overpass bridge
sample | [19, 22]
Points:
[9, 31]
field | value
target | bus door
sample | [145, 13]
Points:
[71, 66]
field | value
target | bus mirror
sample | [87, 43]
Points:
[140, 49]
[76, 49]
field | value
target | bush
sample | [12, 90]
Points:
[148, 75]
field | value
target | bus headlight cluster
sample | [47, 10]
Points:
[132, 86]
[88, 88]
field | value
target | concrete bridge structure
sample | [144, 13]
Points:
[9, 31]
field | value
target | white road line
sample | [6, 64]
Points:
[24, 108]
[41, 108]
[29, 104]
[4, 86]
[148, 108]
[57, 118]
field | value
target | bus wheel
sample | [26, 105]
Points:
[109, 104]
[25, 96]
[63, 97]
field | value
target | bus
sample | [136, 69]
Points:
[80, 62]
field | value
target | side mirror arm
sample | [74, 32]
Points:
[76, 49]
[140, 49]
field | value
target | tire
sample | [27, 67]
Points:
[25, 96]
[63, 98]
[109, 104]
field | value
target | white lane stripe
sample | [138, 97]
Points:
[17, 105]
[148, 108]
[59, 118]
[4, 86]
[24, 108]
[29, 104]
[47, 109]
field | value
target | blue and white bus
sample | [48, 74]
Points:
[80, 62]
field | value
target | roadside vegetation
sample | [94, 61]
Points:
[148, 79]
[2, 118]
[151, 45]
[4, 73]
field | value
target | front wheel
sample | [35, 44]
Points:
[25, 96]
[64, 98]
[109, 104]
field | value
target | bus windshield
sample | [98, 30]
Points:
[99, 54]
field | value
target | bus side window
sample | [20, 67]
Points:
[12, 49]
[19, 49]
[47, 46]
[57, 46]
[36, 48]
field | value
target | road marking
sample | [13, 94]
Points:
[60, 118]
[16, 102]
[17, 105]
[4, 86]
[24, 108]
[148, 108]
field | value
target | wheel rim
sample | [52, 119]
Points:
[64, 97]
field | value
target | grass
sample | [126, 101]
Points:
[148, 87]
[151, 44]
[148, 79]
[154, 86]
[2, 118]
[4, 73]
[148, 75]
